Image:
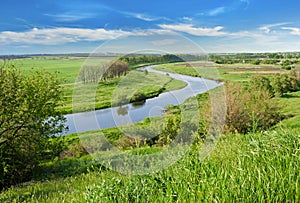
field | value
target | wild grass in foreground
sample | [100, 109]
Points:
[261, 167]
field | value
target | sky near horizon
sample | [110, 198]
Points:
[80, 26]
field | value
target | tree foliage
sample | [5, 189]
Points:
[27, 121]
[93, 74]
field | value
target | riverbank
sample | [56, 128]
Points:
[130, 113]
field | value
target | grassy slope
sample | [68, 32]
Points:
[249, 168]
[246, 168]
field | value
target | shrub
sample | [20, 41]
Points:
[27, 121]
[286, 67]
[281, 84]
[138, 96]
[261, 83]
[250, 110]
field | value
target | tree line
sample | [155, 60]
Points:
[94, 74]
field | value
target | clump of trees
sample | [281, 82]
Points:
[252, 108]
[28, 121]
[276, 85]
[286, 60]
[93, 74]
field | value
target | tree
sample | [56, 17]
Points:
[261, 83]
[281, 84]
[28, 121]
[93, 74]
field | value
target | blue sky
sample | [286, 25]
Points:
[47, 26]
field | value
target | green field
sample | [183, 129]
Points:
[236, 72]
[255, 167]
[91, 96]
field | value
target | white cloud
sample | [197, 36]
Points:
[144, 17]
[196, 31]
[59, 35]
[267, 28]
[185, 18]
[294, 30]
[216, 11]
[70, 17]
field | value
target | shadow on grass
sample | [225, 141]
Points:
[62, 168]
[289, 95]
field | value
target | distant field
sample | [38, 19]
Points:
[241, 72]
[235, 72]
[69, 67]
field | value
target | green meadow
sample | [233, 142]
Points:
[101, 94]
[252, 167]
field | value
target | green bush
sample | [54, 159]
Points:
[250, 110]
[27, 121]
[286, 67]
[261, 83]
[138, 96]
[281, 84]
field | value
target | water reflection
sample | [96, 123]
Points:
[122, 111]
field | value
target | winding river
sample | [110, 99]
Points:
[112, 117]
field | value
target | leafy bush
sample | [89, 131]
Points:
[27, 120]
[261, 83]
[250, 110]
[281, 84]
[138, 96]
[286, 67]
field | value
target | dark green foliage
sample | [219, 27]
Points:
[27, 121]
[286, 67]
[285, 59]
[138, 97]
[261, 83]
[276, 85]
[285, 83]
[93, 74]
[135, 61]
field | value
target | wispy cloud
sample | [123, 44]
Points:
[59, 35]
[196, 31]
[217, 11]
[237, 4]
[70, 17]
[294, 30]
[267, 28]
[143, 17]
[187, 19]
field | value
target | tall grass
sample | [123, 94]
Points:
[261, 167]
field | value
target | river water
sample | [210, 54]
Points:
[130, 113]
